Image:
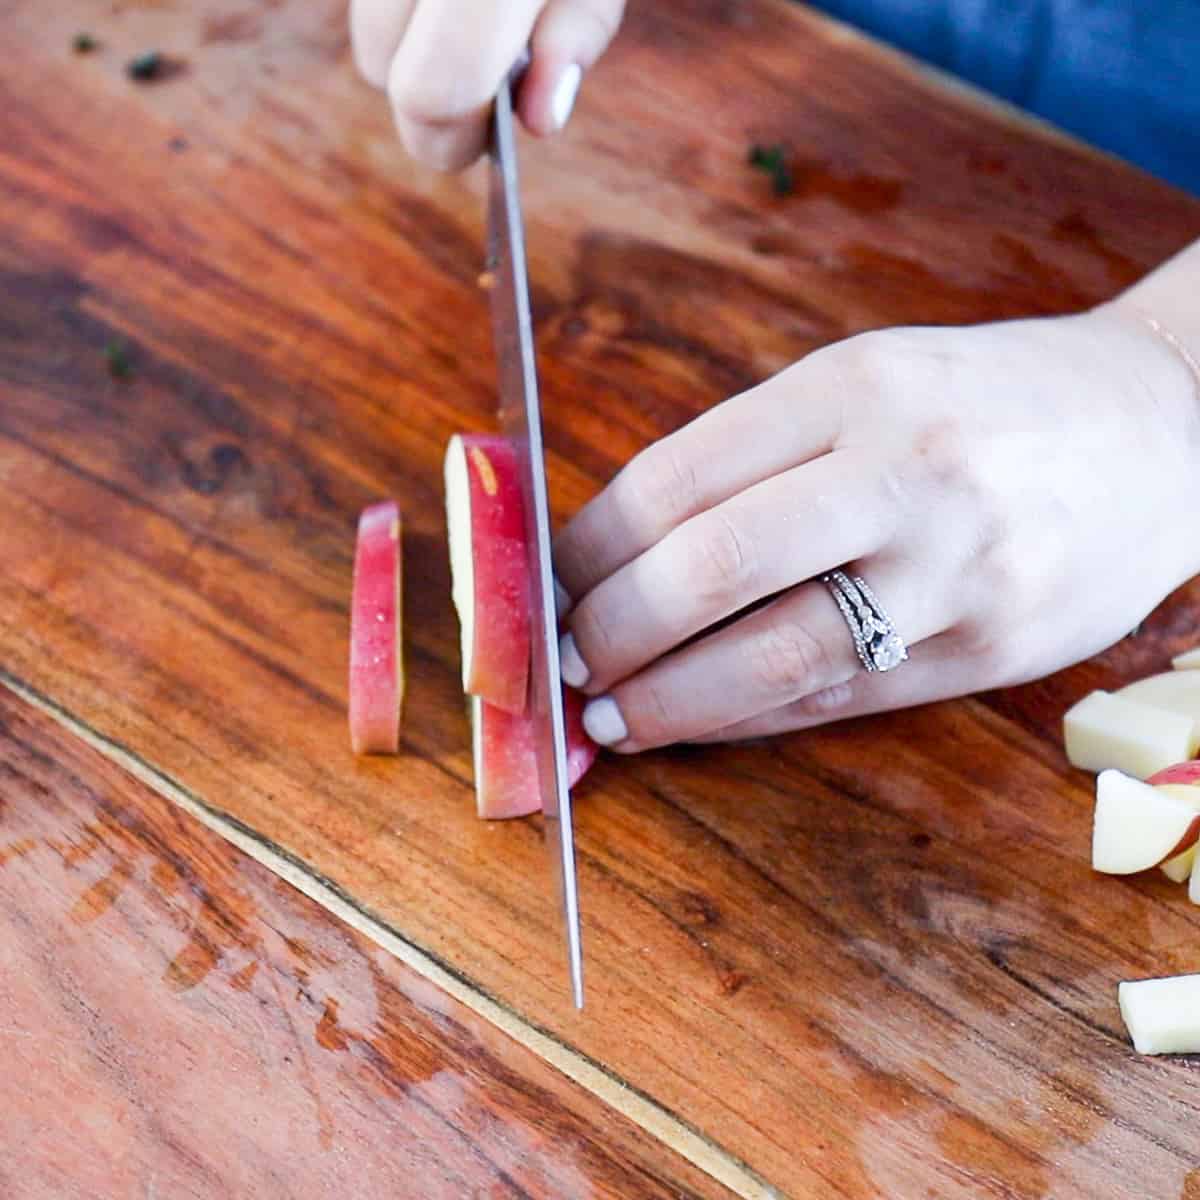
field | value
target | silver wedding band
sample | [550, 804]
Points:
[878, 645]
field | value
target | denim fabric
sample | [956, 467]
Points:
[1122, 74]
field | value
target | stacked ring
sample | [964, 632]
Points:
[878, 645]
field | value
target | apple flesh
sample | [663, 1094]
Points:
[505, 754]
[1105, 730]
[1189, 660]
[1172, 691]
[1138, 826]
[376, 649]
[1162, 1015]
[1179, 868]
[485, 517]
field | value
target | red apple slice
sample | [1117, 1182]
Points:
[1138, 826]
[376, 651]
[485, 517]
[506, 780]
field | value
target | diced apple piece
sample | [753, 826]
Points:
[1138, 826]
[485, 517]
[506, 777]
[1189, 660]
[1104, 730]
[1172, 691]
[376, 626]
[1179, 868]
[1162, 1015]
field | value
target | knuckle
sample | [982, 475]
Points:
[651, 712]
[787, 661]
[827, 703]
[661, 483]
[941, 455]
[718, 560]
[442, 93]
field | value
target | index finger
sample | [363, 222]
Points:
[447, 72]
[790, 419]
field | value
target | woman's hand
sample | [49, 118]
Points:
[1018, 496]
[442, 62]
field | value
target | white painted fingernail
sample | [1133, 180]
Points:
[574, 670]
[563, 100]
[603, 721]
[562, 601]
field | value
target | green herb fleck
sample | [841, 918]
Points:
[83, 43]
[773, 161]
[117, 355]
[146, 66]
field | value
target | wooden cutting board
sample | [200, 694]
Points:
[866, 961]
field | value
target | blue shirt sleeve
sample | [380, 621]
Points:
[1122, 74]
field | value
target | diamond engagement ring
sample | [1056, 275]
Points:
[879, 646]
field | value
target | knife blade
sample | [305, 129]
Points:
[521, 421]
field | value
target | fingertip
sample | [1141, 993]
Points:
[446, 148]
[548, 96]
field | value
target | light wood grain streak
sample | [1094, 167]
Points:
[640, 1109]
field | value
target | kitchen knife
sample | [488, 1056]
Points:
[521, 422]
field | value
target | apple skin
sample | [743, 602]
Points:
[1179, 773]
[506, 776]
[485, 516]
[376, 647]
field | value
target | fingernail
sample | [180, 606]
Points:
[565, 91]
[562, 601]
[574, 670]
[603, 721]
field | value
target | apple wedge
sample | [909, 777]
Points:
[506, 778]
[1105, 730]
[1189, 660]
[1179, 868]
[1162, 1015]
[1182, 780]
[376, 649]
[485, 518]
[1138, 826]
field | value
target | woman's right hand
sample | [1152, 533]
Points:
[442, 62]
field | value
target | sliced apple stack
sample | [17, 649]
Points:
[488, 562]
[485, 520]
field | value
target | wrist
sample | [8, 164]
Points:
[1154, 334]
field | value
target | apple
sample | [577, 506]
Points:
[485, 517]
[1180, 774]
[1138, 826]
[1187, 661]
[376, 649]
[1162, 1015]
[1172, 691]
[1105, 730]
[506, 775]
[1179, 868]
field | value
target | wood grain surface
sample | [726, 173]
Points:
[870, 961]
[177, 1021]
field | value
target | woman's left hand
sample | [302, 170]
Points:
[1018, 496]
